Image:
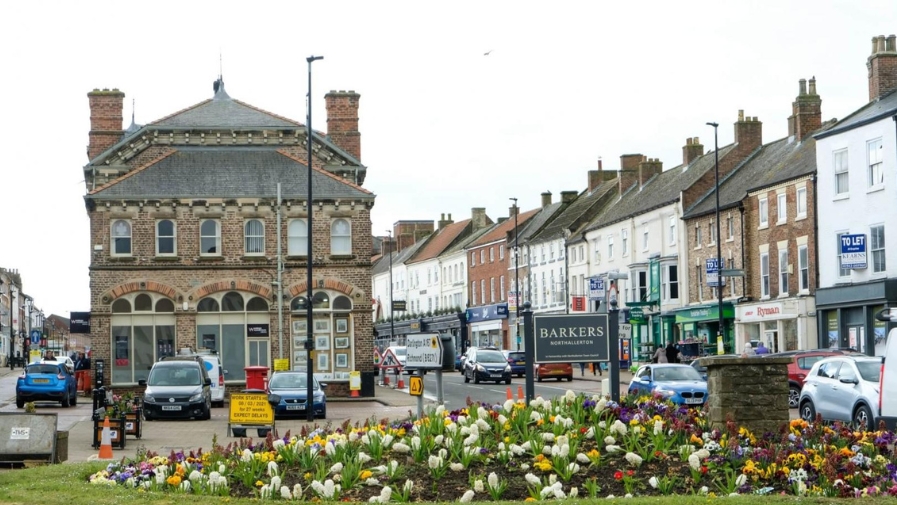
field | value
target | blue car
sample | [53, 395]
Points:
[517, 360]
[46, 382]
[292, 388]
[681, 384]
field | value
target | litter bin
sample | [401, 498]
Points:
[256, 377]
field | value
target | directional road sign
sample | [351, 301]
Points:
[35, 336]
[416, 385]
[424, 351]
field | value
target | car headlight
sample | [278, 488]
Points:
[666, 393]
[196, 397]
[508, 368]
[148, 399]
[318, 396]
[481, 368]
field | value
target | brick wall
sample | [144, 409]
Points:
[496, 269]
[697, 256]
[882, 66]
[775, 233]
[342, 121]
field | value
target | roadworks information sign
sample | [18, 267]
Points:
[250, 408]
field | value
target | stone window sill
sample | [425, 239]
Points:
[342, 257]
[167, 259]
[123, 259]
[210, 258]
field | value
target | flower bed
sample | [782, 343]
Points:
[567, 447]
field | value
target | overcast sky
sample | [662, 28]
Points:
[444, 127]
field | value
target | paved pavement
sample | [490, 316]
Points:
[164, 436]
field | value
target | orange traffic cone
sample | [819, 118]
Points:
[519, 393]
[510, 395]
[386, 379]
[354, 393]
[400, 382]
[106, 441]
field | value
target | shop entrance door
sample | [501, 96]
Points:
[771, 340]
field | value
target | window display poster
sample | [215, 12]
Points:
[832, 328]
[852, 333]
[122, 350]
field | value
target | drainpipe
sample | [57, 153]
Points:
[743, 277]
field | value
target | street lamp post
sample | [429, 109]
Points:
[720, 341]
[309, 343]
[516, 275]
[392, 327]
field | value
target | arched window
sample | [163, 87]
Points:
[140, 335]
[297, 238]
[208, 305]
[257, 304]
[164, 305]
[165, 238]
[121, 305]
[231, 302]
[143, 303]
[254, 234]
[332, 333]
[240, 335]
[121, 238]
[209, 238]
[340, 237]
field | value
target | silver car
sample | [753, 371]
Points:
[842, 388]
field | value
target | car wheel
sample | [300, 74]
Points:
[207, 412]
[74, 401]
[539, 377]
[862, 418]
[569, 378]
[560, 379]
[807, 411]
[476, 378]
[20, 403]
[507, 381]
[218, 404]
[323, 413]
[66, 401]
[466, 378]
[793, 397]
[147, 416]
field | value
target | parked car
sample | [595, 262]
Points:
[178, 388]
[559, 371]
[681, 384]
[517, 360]
[212, 364]
[698, 365]
[843, 388]
[801, 363]
[464, 358]
[49, 381]
[292, 388]
[62, 360]
[486, 364]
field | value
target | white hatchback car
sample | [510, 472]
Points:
[65, 360]
[843, 388]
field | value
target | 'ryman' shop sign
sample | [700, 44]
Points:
[571, 338]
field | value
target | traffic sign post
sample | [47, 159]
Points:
[417, 389]
[424, 352]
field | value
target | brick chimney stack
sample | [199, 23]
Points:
[443, 222]
[513, 211]
[478, 218]
[806, 116]
[596, 177]
[568, 196]
[691, 150]
[546, 199]
[105, 120]
[748, 132]
[648, 169]
[882, 65]
[629, 171]
[342, 121]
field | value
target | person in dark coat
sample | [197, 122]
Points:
[672, 353]
[82, 363]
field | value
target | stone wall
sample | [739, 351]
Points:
[752, 391]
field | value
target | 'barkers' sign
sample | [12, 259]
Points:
[571, 338]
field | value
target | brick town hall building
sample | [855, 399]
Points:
[183, 224]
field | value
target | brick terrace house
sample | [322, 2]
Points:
[767, 221]
[184, 238]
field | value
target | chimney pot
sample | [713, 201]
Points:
[813, 85]
[546, 199]
[891, 44]
[802, 87]
[740, 115]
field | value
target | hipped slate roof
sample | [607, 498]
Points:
[869, 113]
[222, 111]
[238, 172]
[582, 209]
[662, 190]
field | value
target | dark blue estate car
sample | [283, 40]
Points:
[46, 382]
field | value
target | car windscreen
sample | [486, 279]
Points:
[289, 381]
[400, 351]
[490, 357]
[44, 368]
[684, 373]
[869, 370]
[174, 376]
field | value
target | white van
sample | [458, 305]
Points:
[887, 389]
[212, 364]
